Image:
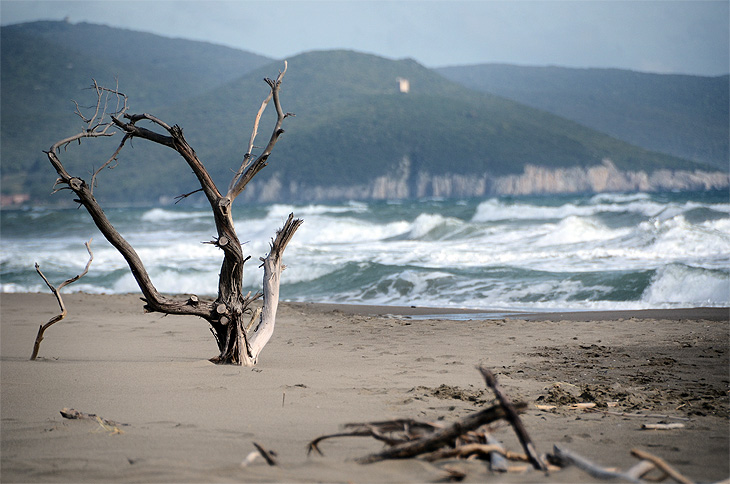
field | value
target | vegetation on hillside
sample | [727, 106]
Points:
[685, 116]
[45, 65]
[352, 125]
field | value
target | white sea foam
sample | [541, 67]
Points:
[601, 252]
[281, 210]
[681, 285]
[575, 230]
[159, 214]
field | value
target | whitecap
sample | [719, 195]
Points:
[681, 285]
[162, 215]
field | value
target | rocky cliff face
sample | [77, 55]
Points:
[534, 180]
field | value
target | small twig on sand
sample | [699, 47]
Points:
[662, 426]
[268, 455]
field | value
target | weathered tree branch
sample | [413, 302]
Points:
[155, 301]
[57, 292]
[405, 430]
[467, 450]
[661, 464]
[226, 313]
[261, 334]
[240, 181]
[513, 419]
[566, 457]
[439, 437]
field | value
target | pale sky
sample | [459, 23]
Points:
[664, 36]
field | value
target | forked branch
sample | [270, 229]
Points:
[241, 179]
[57, 292]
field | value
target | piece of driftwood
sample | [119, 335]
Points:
[497, 460]
[661, 464]
[636, 415]
[73, 414]
[411, 438]
[648, 463]
[642, 468]
[468, 438]
[566, 458]
[57, 292]
[513, 419]
[663, 426]
[468, 450]
[268, 455]
[441, 437]
[391, 432]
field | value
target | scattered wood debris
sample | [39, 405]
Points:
[464, 438]
[470, 438]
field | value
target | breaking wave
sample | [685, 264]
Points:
[606, 251]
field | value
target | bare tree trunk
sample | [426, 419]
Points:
[261, 334]
[227, 313]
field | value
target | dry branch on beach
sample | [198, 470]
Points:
[408, 438]
[469, 437]
[57, 292]
[228, 313]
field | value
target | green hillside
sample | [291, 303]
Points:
[46, 65]
[685, 116]
[352, 124]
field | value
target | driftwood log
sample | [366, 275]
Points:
[228, 313]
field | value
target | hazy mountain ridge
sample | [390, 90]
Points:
[681, 115]
[355, 134]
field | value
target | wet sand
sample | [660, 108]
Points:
[191, 421]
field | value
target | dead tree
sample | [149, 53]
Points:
[239, 339]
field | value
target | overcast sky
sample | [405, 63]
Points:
[666, 36]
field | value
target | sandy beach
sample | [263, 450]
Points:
[179, 418]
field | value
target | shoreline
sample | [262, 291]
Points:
[423, 312]
[328, 365]
[458, 313]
